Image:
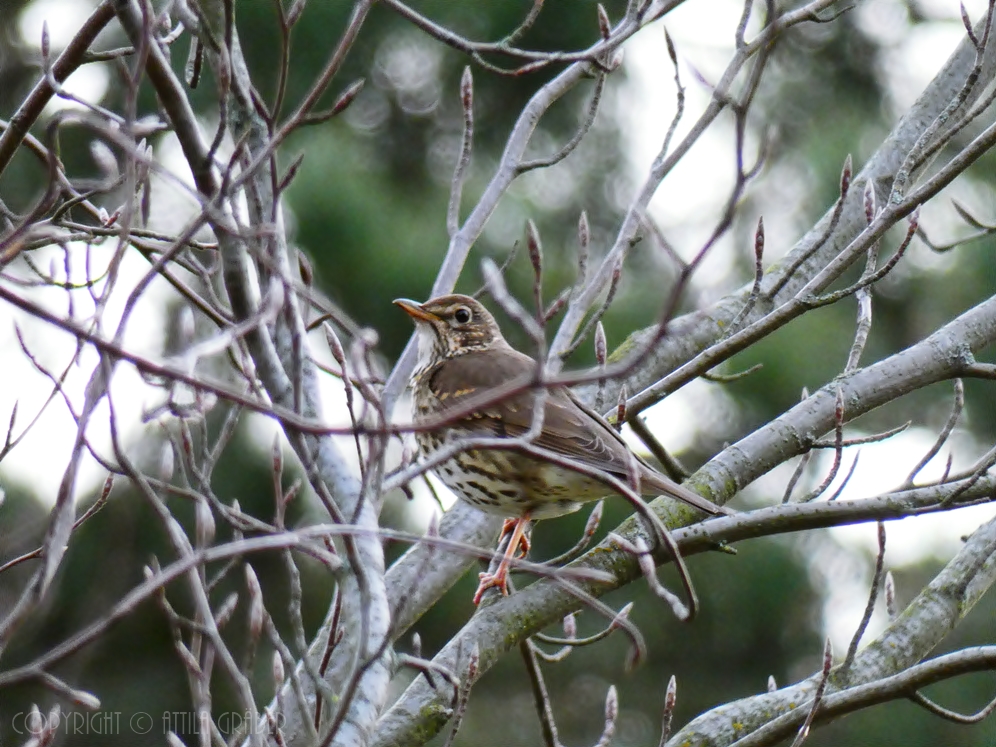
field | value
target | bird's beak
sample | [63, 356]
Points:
[415, 310]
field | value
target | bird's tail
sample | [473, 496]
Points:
[673, 489]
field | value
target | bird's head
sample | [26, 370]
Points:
[451, 325]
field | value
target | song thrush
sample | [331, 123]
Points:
[461, 357]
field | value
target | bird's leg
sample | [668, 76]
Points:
[500, 577]
[525, 543]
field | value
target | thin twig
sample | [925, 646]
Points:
[817, 697]
[852, 649]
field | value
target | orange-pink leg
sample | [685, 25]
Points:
[500, 577]
[509, 528]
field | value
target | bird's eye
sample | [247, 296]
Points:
[462, 315]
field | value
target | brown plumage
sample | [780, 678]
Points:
[462, 358]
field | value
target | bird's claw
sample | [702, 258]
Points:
[498, 579]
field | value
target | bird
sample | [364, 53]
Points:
[462, 357]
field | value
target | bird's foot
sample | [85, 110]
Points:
[498, 579]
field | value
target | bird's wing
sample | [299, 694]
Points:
[649, 477]
[569, 428]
